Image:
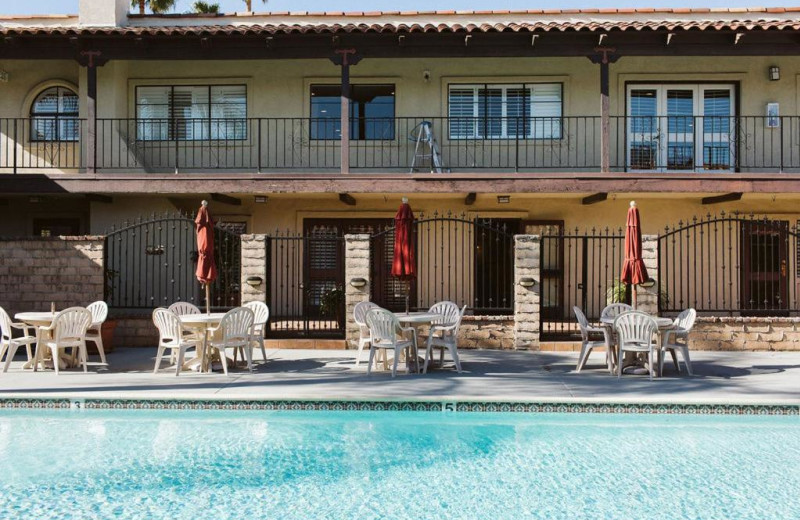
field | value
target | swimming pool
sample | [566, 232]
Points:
[400, 465]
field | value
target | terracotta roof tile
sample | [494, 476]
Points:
[440, 21]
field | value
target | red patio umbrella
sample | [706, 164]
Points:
[206, 267]
[404, 264]
[634, 271]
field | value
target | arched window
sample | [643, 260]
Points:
[54, 115]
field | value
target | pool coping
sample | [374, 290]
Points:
[600, 406]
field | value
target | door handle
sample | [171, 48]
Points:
[783, 268]
[580, 286]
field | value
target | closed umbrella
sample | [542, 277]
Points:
[404, 265]
[634, 271]
[206, 267]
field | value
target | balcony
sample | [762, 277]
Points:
[401, 145]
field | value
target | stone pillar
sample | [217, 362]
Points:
[527, 251]
[356, 265]
[647, 298]
[254, 264]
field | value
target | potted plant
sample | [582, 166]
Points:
[331, 303]
[618, 293]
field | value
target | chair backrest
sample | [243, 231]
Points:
[71, 324]
[99, 312]
[685, 319]
[635, 327]
[583, 323]
[360, 312]
[383, 326]
[184, 308]
[448, 313]
[237, 324]
[5, 326]
[261, 312]
[169, 326]
[615, 309]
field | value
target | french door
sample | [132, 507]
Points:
[686, 127]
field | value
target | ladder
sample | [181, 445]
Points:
[422, 135]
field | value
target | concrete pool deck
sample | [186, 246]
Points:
[490, 375]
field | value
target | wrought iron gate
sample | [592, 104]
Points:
[305, 290]
[583, 270]
[469, 261]
[151, 263]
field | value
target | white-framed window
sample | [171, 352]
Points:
[54, 116]
[681, 126]
[505, 111]
[191, 112]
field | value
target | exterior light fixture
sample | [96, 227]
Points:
[260, 199]
[254, 281]
[774, 73]
[503, 199]
[527, 282]
[4, 76]
[647, 284]
[358, 283]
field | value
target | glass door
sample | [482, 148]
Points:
[680, 127]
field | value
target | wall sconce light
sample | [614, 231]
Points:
[4, 76]
[426, 76]
[527, 282]
[774, 73]
[254, 281]
[503, 199]
[647, 284]
[260, 199]
[358, 283]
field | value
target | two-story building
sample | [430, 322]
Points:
[317, 124]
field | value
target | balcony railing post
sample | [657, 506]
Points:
[516, 144]
[781, 124]
[15, 142]
[258, 148]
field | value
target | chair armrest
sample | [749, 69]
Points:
[412, 330]
[443, 327]
[599, 330]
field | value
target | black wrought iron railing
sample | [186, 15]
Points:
[405, 144]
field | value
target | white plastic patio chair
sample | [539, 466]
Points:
[360, 317]
[384, 329]
[67, 331]
[261, 313]
[587, 344]
[172, 336]
[234, 332]
[9, 344]
[615, 309]
[636, 333]
[184, 308]
[443, 333]
[99, 312]
[683, 326]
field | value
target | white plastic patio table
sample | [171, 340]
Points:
[416, 319]
[203, 322]
[664, 325]
[36, 320]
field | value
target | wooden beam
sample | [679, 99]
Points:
[96, 197]
[226, 199]
[594, 199]
[347, 199]
[717, 199]
[469, 200]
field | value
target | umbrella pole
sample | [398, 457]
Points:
[408, 293]
[633, 296]
[208, 299]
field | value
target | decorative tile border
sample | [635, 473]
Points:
[399, 406]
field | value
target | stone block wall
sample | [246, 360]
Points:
[34, 272]
[493, 332]
[254, 263]
[745, 333]
[526, 299]
[135, 330]
[356, 265]
[647, 298]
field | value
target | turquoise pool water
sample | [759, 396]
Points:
[370, 465]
